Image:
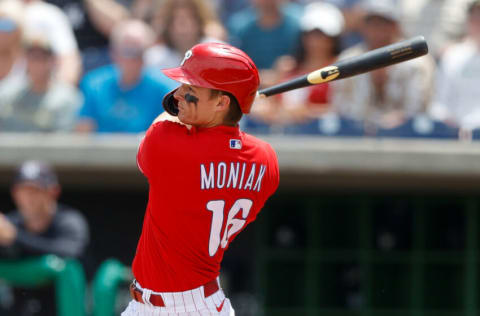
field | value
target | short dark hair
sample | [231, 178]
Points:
[234, 113]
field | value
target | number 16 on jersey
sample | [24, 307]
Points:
[232, 224]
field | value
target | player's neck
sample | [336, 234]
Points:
[216, 123]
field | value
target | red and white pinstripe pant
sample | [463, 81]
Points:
[187, 303]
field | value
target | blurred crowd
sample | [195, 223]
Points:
[93, 66]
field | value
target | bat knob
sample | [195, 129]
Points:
[261, 95]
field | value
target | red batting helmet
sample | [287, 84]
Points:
[222, 67]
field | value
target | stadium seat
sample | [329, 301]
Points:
[476, 134]
[328, 125]
[254, 126]
[420, 126]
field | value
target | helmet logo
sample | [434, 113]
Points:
[188, 54]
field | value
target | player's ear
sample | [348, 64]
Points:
[223, 103]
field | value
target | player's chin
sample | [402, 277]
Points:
[182, 117]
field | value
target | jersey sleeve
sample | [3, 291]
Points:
[154, 149]
[275, 173]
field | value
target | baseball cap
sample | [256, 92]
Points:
[36, 172]
[324, 17]
[384, 8]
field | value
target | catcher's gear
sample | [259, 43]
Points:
[217, 66]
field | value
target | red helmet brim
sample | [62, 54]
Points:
[182, 76]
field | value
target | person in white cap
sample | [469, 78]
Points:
[457, 94]
[387, 97]
[38, 101]
[321, 27]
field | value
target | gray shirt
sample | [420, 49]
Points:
[23, 110]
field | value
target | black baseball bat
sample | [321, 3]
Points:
[374, 59]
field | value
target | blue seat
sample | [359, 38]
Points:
[254, 126]
[329, 125]
[420, 126]
[476, 134]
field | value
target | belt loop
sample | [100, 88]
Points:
[146, 297]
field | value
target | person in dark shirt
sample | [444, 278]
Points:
[92, 22]
[39, 226]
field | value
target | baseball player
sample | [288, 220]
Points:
[208, 180]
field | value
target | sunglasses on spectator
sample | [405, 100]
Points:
[129, 52]
[38, 53]
[7, 25]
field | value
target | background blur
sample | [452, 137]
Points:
[377, 209]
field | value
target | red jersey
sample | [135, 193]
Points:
[206, 185]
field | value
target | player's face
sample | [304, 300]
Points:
[197, 106]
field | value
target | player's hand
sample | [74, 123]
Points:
[8, 231]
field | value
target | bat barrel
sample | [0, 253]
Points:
[382, 57]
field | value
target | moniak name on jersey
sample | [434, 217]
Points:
[235, 175]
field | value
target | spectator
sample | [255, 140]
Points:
[227, 8]
[458, 95]
[40, 225]
[12, 65]
[353, 15]
[46, 18]
[321, 26]
[389, 96]
[39, 102]
[181, 24]
[92, 21]
[142, 9]
[266, 34]
[124, 96]
[440, 21]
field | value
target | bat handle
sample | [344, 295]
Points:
[299, 82]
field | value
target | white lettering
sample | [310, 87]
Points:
[207, 182]
[221, 174]
[251, 176]
[233, 176]
[228, 175]
[258, 184]
[243, 174]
